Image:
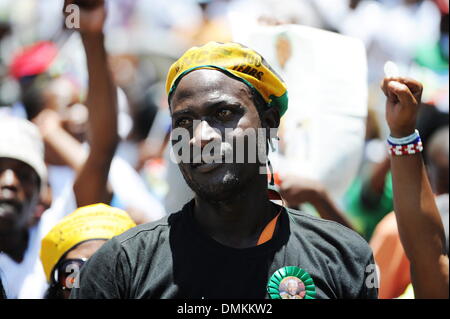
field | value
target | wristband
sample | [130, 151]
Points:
[404, 140]
[408, 145]
[409, 149]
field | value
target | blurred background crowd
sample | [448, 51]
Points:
[43, 78]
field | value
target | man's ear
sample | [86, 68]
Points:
[271, 118]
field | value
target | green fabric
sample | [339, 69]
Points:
[365, 218]
[430, 56]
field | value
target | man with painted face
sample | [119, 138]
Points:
[231, 233]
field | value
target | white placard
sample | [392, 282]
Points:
[326, 76]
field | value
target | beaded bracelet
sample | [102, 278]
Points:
[408, 145]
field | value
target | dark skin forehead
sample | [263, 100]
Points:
[27, 177]
[203, 89]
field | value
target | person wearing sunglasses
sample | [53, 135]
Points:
[70, 244]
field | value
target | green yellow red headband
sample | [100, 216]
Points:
[237, 61]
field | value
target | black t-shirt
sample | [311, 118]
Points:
[174, 258]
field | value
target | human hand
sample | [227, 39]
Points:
[297, 190]
[402, 104]
[92, 15]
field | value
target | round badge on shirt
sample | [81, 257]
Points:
[291, 283]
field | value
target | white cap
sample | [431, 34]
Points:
[20, 139]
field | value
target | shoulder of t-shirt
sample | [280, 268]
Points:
[330, 231]
[144, 231]
[135, 239]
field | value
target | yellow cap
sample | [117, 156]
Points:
[97, 221]
[237, 61]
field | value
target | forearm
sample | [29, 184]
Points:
[66, 149]
[420, 226]
[91, 183]
[102, 97]
[418, 220]
[328, 210]
[378, 178]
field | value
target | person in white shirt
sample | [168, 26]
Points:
[23, 178]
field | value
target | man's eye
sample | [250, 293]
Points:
[184, 122]
[26, 175]
[224, 113]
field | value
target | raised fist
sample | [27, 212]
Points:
[402, 104]
[92, 14]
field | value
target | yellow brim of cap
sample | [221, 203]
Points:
[97, 221]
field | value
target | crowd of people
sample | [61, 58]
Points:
[92, 204]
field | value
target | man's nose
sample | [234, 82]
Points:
[9, 180]
[204, 134]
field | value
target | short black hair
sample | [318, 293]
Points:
[32, 93]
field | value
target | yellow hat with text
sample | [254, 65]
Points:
[97, 221]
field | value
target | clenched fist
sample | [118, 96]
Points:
[92, 15]
[402, 105]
